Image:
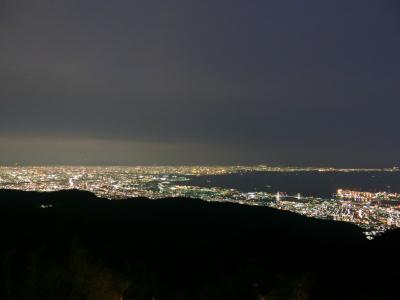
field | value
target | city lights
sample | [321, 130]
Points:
[375, 212]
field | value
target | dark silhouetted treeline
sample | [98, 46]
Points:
[73, 245]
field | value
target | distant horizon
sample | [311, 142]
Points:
[200, 165]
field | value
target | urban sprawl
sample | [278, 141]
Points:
[375, 212]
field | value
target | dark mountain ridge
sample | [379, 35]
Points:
[180, 248]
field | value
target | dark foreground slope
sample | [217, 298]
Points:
[83, 247]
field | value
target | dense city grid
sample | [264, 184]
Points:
[375, 212]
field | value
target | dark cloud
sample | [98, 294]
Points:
[300, 82]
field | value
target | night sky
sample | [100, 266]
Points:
[277, 82]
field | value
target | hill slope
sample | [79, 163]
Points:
[183, 249]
